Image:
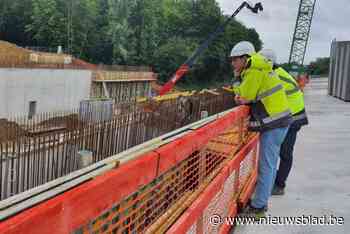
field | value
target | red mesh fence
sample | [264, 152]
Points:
[175, 188]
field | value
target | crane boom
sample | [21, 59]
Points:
[301, 32]
[184, 68]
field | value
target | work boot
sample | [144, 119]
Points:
[277, 191]
[256, 213]
[266, 208]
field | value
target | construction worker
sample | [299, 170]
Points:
[260, 88]
[296, 104]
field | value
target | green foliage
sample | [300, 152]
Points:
[117, 29]
[14, 15]
[319, 67]
[47, 23]
[171, 54]
[157, 33]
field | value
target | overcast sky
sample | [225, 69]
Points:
[276, 24]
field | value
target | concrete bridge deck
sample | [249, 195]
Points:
[319, 183]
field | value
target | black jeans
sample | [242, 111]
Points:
[286, 156]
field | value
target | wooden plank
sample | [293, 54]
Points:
[16, 208]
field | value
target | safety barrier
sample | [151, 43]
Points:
[173, 187]
[230, 191]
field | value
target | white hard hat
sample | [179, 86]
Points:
[242, 48]
[269, 54]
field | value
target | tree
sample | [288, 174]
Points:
[319, 67]
[84, 26]
[118, 28]
[101, 50]
[171, 54]
[157, 33]
[14, 15]
[52, 32]
[144, 39]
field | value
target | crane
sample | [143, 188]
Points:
[184, 68]
[301, 35]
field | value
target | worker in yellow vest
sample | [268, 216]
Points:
[295, 99]
[259, 87]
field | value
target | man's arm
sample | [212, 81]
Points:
[249, 87]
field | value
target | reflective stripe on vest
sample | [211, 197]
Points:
[293, 91]
[268, 120]
[290, 92]
[269, 92]
[299, 117]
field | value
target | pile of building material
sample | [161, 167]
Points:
[49, 58]
[103, 75]
[83, 64]
[12, 55]
[68, 122]
[10, 131]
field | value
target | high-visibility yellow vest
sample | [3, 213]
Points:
[295, 96]
[264, 90]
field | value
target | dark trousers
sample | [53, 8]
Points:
[286, 156]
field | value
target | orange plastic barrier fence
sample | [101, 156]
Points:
[175, 188]
[230, 190]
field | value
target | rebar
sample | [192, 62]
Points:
[38, 150]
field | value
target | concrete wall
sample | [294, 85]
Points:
[53, 90]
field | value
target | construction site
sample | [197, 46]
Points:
[87, 148]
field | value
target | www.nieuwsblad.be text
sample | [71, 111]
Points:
[303, 220]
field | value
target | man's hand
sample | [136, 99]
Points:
[240, 100]
[227, 89]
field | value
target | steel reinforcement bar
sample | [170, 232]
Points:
[173, 184]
